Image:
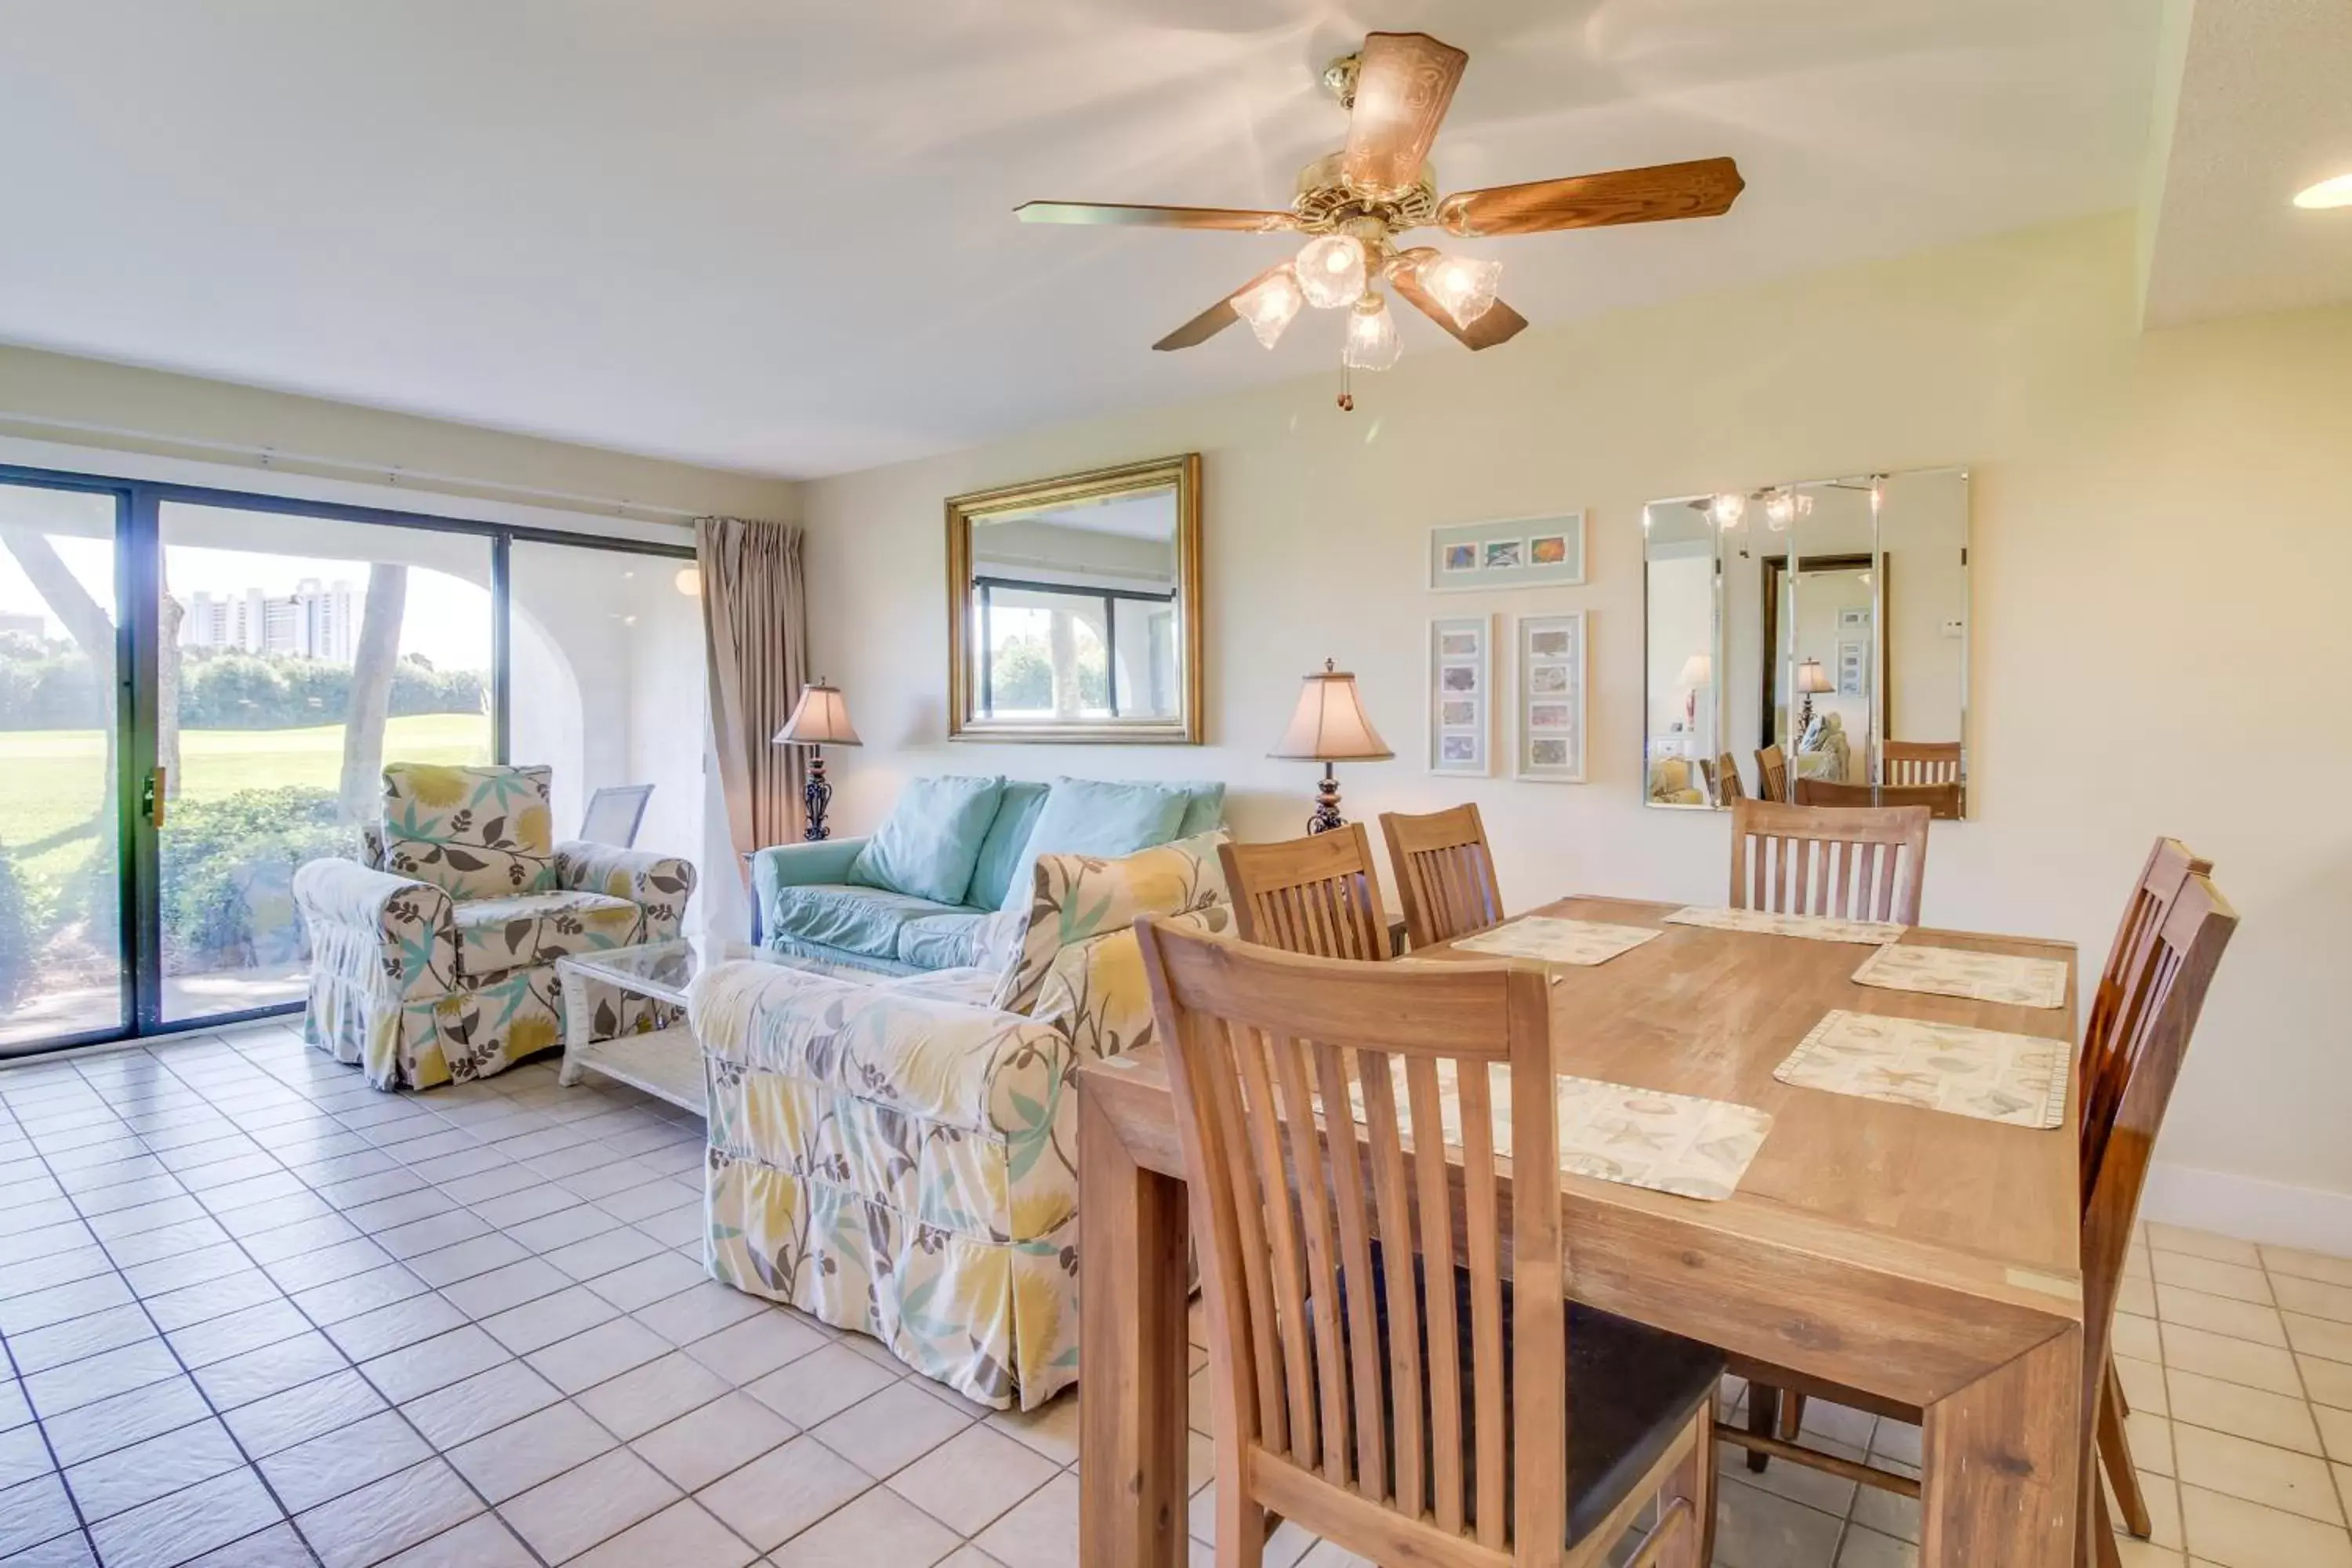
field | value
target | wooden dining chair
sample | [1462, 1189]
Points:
[1444, 872]
[1942, 800]
[2175, 929]
[1318, 894]
[1772, 772]
[1393, 1359]
[1728, 786]
[1923, 762]
[1855, 864]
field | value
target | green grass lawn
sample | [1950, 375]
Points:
[50, 783]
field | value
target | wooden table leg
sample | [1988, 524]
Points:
[1132, 1355]
[2004, 1465]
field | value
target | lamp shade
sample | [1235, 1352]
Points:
[1330, 725]
[1813, 678]
[1698, 670]
[820, 718]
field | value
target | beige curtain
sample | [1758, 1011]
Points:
[755, 630]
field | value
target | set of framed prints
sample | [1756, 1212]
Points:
[1549, 688]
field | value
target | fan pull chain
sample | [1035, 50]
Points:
[1346, 397]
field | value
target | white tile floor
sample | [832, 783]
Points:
[256, 1313]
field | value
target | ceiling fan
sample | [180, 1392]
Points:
[1355, 201]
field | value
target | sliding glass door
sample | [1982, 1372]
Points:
[199, 691]
[62, 725]
[298, 654]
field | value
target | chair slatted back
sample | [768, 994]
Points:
[1942, 800]
[1727, 783]
[2159, 992]
[1923, 762]
[1863, 864]
[1318, 894]
[1270, 1055]
[1772, 772]
[1444, 872]
[2108, 1030]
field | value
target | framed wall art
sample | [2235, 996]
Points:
[1461, 693]
[1515, 552]
[1548, 700]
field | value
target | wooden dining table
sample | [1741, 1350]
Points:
[1920, 1256]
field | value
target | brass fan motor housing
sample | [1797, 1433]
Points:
[1325, 200]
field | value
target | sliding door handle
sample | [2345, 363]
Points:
[150, 800]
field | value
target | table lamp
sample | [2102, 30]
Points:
[1329, 727]
[820, 718]
[1810, 678]
[1697, 671]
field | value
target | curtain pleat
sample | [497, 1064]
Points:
[755, 630]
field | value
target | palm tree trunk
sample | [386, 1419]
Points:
[370, 705]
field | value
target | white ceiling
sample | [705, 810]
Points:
[2263, 109]
[778, 236]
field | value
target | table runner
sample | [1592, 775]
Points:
[1955, 972]
[2016, 1080]
[1557, 941]
[1676, 1143]
[1813, 928]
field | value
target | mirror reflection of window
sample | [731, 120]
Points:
[1074, 608]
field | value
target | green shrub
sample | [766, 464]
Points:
[16, 933]
[228, 866]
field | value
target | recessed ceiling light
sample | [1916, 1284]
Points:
[2335, 193]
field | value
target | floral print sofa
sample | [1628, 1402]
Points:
[432, 956]
[899, 1156]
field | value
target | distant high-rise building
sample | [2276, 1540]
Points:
[315, 621]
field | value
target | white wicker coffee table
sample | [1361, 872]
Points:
[666, 1063]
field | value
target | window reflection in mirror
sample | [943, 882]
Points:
[1840, 674]
[1073, 607]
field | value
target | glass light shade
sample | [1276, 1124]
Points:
[1463, 284]
[1811, 678]
[688, 582]
[820, 718]
[1330, 270]
[1270, 304]
[1371, 336]
[2335, 193]
[1727, 509]
[1779, 509]
[1330, 725]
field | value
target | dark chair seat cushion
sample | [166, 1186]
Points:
[1631, 1389]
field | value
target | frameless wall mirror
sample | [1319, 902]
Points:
[1808, 642]
[1074, 607]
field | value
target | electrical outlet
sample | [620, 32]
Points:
[1954, 628]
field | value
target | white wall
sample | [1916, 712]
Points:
[2154, 517]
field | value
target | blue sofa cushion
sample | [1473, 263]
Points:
[1205, 806]
[864, 920]
[927, 845]
[1094, 817]
[938, 942]
[1002, 852]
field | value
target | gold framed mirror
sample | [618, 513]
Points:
[1074, 607]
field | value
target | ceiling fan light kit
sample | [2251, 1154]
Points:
[1353, 203]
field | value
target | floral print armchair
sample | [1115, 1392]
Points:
[901, 1160]
[432, 956]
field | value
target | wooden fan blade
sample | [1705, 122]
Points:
[1700, 189]
[1215, 319]
[1404, 83]
[1245, 220]
[1499, 324]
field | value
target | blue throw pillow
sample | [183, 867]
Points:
[1205, 808]
[1007, 842]
[1096, 816]
[927, 845]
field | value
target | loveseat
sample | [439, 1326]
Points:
[432, 955]
[899, 1156]
[933, 887]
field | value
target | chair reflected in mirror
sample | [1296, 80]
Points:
[1942, 800]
